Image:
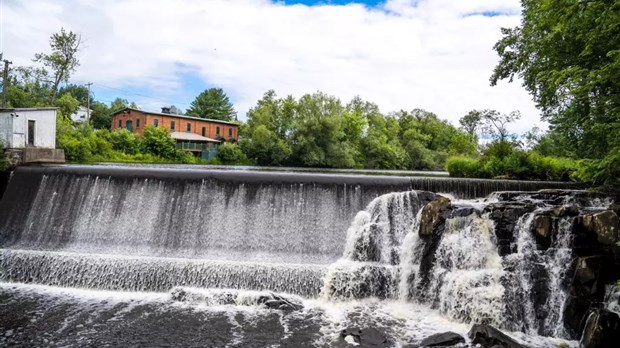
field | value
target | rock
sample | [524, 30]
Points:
[445, 339]
[505, 216]
[543, 230]
[432, 215]
[488, 336]
[604, 224]
[565, 210]
[602, 330]
[275, 301]
[585, 290]
[368, 337]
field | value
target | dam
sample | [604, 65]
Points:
[244, 258]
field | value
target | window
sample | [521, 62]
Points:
[189, 127]
[204, 131]
[156, 123]
[137, 123]
[82, 116]
[31, 129]
[171, 125]
[230, 132]
[217, 130]
[120, 123]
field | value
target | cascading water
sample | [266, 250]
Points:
[349, 246]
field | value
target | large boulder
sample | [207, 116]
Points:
[445, 339]
[543, 231]
[604, 225]
[602, 330]
[433, 215]
[586, 289]
[488, 336]
[565, 210]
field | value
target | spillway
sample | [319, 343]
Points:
[324, 240]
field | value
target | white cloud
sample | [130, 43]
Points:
[432, 54]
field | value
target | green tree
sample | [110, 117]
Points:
[214, 104]
[101, 115]
[28, 87]
[78, 92]
[68, 105]
[470, 123]
[318, 138]
[62, 60]
[567, 54]
[157, 141]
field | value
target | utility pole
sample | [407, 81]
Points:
[88, 102]
[5, 80]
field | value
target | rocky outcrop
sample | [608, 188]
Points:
[445, 339]
[488, 336]
[433, 215]
[603, 225]
[543, 231]
[585, 289]
[602, 330]
[368, 337]
[506, 216]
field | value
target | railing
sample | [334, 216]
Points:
[192, 146]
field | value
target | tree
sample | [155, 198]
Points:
[78, 92]
[214, 104]
[495, 123]
[470, 123]
[101, 115]
[28, 87]
[68, 105]
[175, 111]
[567, 54]
[62, 60]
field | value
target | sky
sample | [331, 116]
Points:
[400, 54]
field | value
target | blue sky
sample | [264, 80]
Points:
[431, 54]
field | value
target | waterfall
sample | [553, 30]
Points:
[233, 238]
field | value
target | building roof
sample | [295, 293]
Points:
[30, 109]
[179, 116]
[191, 137]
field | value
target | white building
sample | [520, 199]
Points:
[28, 127]
[81, 115]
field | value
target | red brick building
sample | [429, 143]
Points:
[135, 120]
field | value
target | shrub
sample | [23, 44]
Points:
[463, 167]
[231, 154]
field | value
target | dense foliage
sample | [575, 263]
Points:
[567, 53]
[317, 130]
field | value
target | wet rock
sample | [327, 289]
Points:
[178, 294]
[565, 210]
[488, 336]
[444, 339]
[433, 215]
[602, 330]
[368, 337]
[505, 216]
[586, 289]
[604, 225]
[543, 230]
[275, 301]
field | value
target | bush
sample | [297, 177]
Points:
[231, 154]
[516, 165]
[463, 167]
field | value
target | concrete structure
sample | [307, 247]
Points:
[29, 135]
[81, 115]
[197, 135]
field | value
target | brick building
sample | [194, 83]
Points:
[198, 135]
